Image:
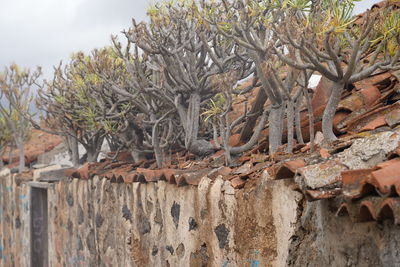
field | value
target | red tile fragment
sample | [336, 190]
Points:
[352, 103]
[375, 123]
[286, 170]
[387, 163]
[305, 148]
[191, 178]
[340, 115]
[322, 93]
[371, 119]
[224, 171]
[129, 178]
[324, 153]
[149, 175]
[393, 118]
[373, 80]
[322, 194]
[84, 171]
[370, 94]
[238, 183]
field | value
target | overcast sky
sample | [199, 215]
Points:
[43, 32]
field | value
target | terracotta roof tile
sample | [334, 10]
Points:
[238, 183]
[384, 179]
[287, 169]
[313, 195]
[387, 179]
[191, 178]
[38, 144]
[371, 209]
[372, 118]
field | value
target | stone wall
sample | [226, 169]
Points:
[14, 221]
[323, 239]
[96, 223]
[99, 223]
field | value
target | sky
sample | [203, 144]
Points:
[43, 32]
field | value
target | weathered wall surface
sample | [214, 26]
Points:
[322, 239]
[96, 223]
[14, 222]
[99, 223]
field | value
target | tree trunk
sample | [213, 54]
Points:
[190, 120]
[329, 112]
[73, 143]
[290, 123]
[225, 135]
[310, 118]
[254, 138]
[156, 147]
[255, 112]
[275, 128]
[1, 159]
[136, 155]
[193, 115]
[20, 144]
[299, 134]
[92, 154]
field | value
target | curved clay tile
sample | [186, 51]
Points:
[387, 178]
[287, 169]
[355, 182]
[313, 195]
[370, 94]
[168, 175]
[349, 209]
[343, 210]
[391, 207]
[386, 212]
[367, 212]
[129, 178]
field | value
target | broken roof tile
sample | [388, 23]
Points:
[370, 94]
[375, 123]
[324, 153]
[238, 183]
[362, 121]
[191, 178]
[322, 194]
[286, 169]
[393, 118]
[376, 79]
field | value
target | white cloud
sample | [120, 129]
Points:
[42, 32]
